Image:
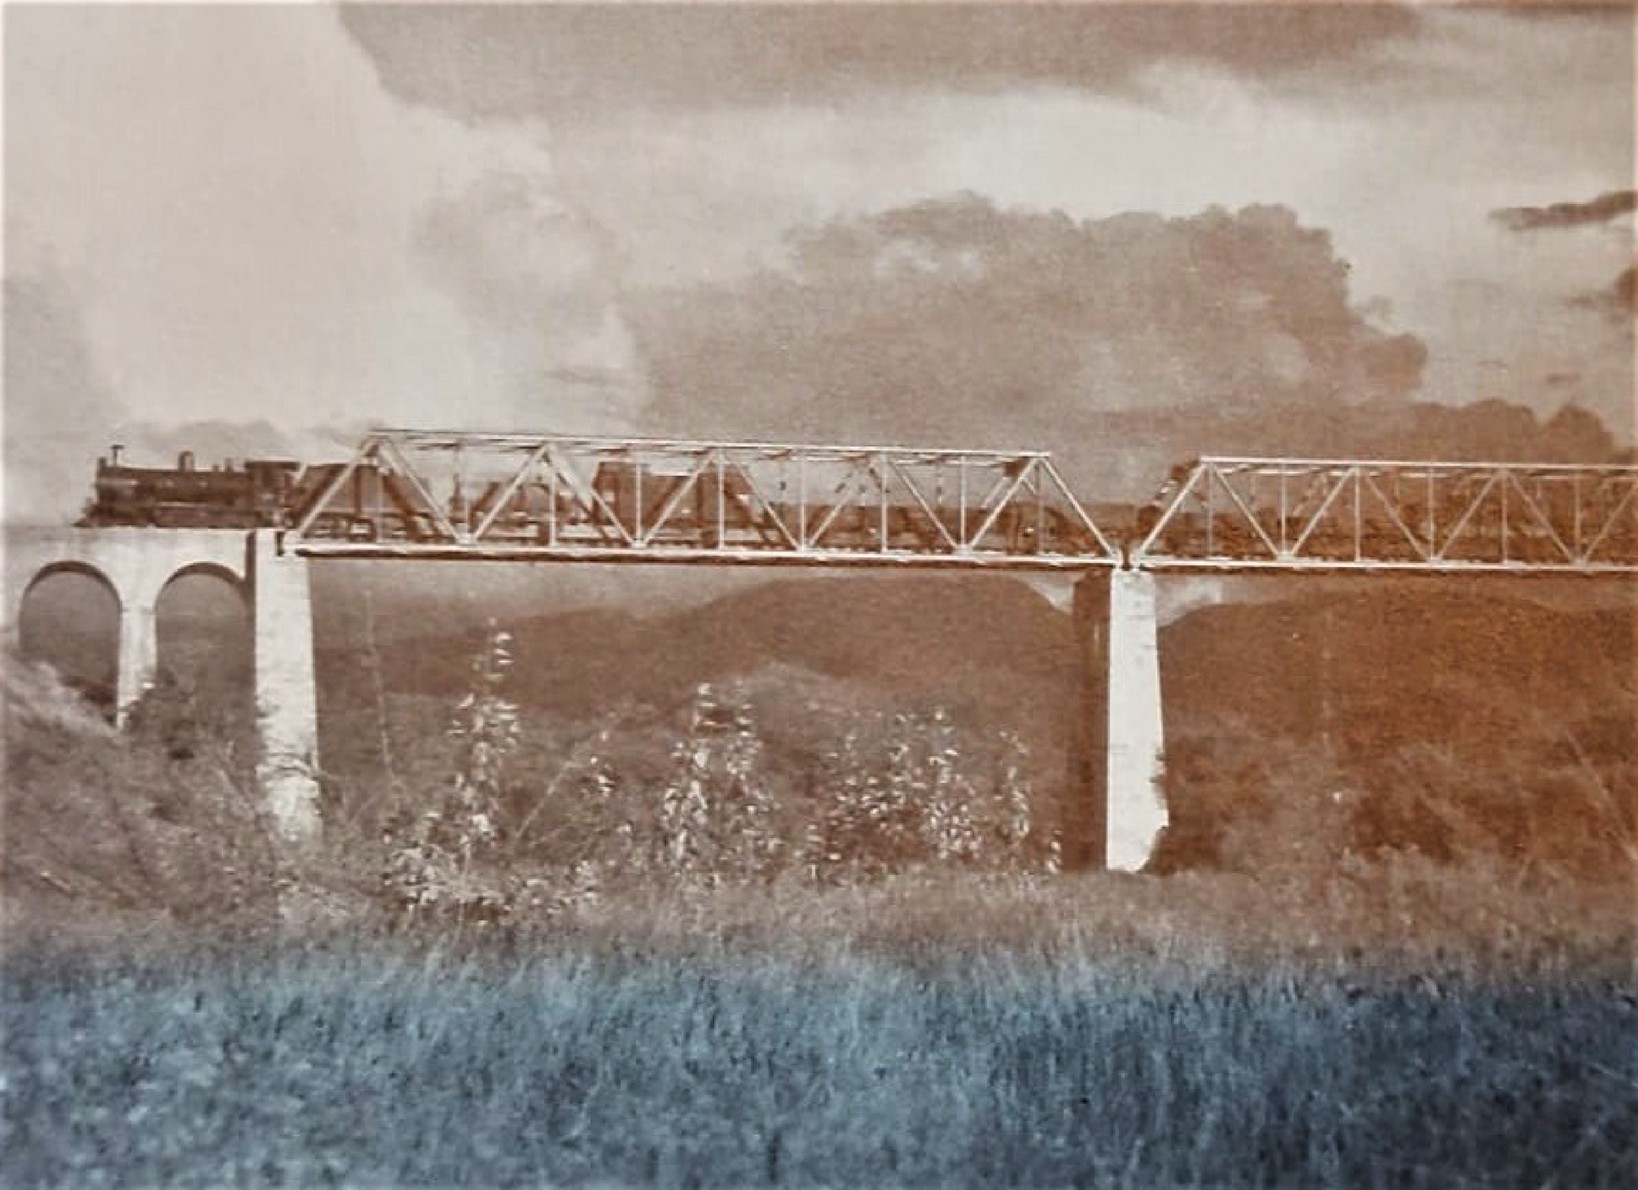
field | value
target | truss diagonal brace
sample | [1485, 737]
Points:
[429, 503]
[510, 490]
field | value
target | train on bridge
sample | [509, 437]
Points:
[370, 502]
[413, 491]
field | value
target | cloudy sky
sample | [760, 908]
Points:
[971, 225]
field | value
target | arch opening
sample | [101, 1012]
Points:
[204, 680]
[69, 618]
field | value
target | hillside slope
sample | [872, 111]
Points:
[1365, 670]
[1405, 663]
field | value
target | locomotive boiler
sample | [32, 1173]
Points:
[252, 494]
[247, 496]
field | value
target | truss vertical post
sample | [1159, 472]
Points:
[1211, 540]
[459, 510]
[1040, 506]
[1433, 520]
[721, 501]
[551, 501]
[1504, 544]
[1575, 496]
[880, 466]
[1359, 513]
[1285, 508]
[802, 501]
[637, 499]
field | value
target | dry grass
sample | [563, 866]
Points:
[1322, 1016]
[380, 1065]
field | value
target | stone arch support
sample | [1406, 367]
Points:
[136, 563]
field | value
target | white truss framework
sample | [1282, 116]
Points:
[426, 494]
[1331, 514]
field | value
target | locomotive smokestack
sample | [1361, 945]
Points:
[114, 452]
[184, 461]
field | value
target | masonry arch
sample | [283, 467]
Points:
[203, 669]
[203, 629]
[68, 615]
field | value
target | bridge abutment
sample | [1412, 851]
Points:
[286, 688]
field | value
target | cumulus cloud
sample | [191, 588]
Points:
[1617, 301]
[955, 322]
[546, 277]
[1602, 209]
[551, 59]
[239, 203]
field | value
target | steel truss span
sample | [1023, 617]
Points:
[1329, 514]
[420, 494]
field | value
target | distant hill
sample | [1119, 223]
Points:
[1406, 662]
[1368, 669]
[988, 646]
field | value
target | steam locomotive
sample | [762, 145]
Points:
[251, 496]
[254, 494]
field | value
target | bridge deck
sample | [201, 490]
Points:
[681, 555]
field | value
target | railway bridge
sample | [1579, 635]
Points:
[462, 496]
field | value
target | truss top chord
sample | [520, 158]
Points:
[453, 439]
[1277, 465]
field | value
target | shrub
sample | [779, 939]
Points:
[716, 820]
[437, 863]
[912, 796]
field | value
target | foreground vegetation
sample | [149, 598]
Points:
[374, 1066]
[666, 965]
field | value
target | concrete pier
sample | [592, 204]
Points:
[1117, 751]
[286, 688]
[1136, 737]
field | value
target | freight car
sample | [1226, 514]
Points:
[666, 505]
[708, 513]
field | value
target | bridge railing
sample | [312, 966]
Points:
[1339, 514]
[424, 493]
